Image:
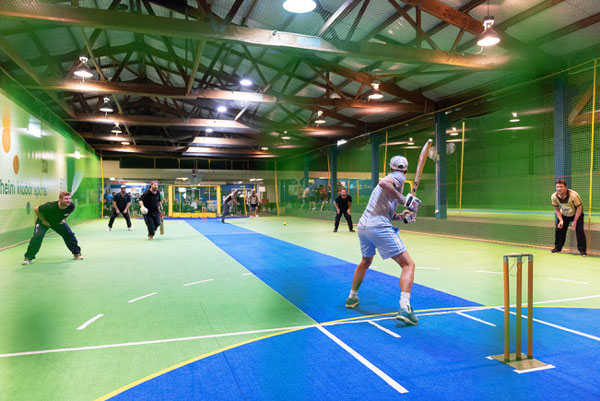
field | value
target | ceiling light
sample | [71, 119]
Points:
[286, 137]
[488, 37]
[341, 142]
[454, 133]
[125, 143]
[116, 129]
[376, 95]
[209, 130]
[83, 71]
[77, 154]
[245, 82]
[105, 108]
[221, 109]
[264, 148]
[515, 118]
[299, 6]
[320, 120]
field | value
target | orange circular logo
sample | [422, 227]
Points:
[16, 164]
[6, 139]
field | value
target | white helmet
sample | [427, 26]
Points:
[399, 163]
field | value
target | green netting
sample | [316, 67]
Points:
[517, 142]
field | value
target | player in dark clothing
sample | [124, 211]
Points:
[343, 203]
[53, 215]
[227, 204]
[150, 207]
[120, 204]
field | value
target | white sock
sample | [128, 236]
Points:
[353, 293]
[405, 300]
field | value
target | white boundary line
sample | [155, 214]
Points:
[427, 268]
[568, 281]
[198, 282]
[380, 327]
[167, 340]
[247, 274]
[476, 319]
[394, 384]
[487, 271]
[142, 297]
[556, 326]
[566, 299]
[92, 320]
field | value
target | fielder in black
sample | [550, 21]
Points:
[53, 215]
[150, 207]
[120, 204]
[227, 204]
[343, 203]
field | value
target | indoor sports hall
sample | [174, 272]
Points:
[187, 188]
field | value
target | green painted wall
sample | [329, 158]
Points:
[39, 159]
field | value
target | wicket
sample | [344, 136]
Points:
[204, 213]
[518, 360]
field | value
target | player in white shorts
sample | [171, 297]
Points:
[375, 231]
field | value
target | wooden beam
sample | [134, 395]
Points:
[155, 25]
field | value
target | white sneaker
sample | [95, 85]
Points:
[26, 262]
[130, 229]
[108, 229]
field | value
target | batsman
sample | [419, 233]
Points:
[151, 208]
[376, 232]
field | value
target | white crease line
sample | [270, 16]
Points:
[569, 281]
[247, 274]
[476, 319]
[198, 282]
[566, 299]
[579, 333]
[428, 268]
[394, 384]
[380, 327]
[168, 340]
[486, 271]
[535, 369]
[142, 297]
[92, 320]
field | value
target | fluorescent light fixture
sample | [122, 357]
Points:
[125, 143]
[488, 37]
[209, 130]
[112, 178]
[82, 70]
[410, 143]
[105, 108]
[264, 148]
[454, 133]
[514, 120]
[221, 109]
[341, 142]
[182, 178]
[299, 6]
[77, 155]
[376, 95]
[245, 82]
[320, 120]
[286, 137]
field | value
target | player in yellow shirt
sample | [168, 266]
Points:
[568, 209]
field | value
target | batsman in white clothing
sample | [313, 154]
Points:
[375, 231]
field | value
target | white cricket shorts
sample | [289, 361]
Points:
[384, 239]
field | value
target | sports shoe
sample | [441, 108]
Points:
[130, 229]
[150, 238]
[352, 231]
[77, 256]
[407, 316]
[352, 302]
[555, 250]
[26, 262]
[108, 229]
[335, 231]
[583, 254]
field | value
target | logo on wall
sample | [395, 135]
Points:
[6, 139]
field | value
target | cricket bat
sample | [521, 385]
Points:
[162, 224]
[408, 216]
[421, 165]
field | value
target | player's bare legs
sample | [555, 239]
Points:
[359, 275]
[408, 271]
[407, 277]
